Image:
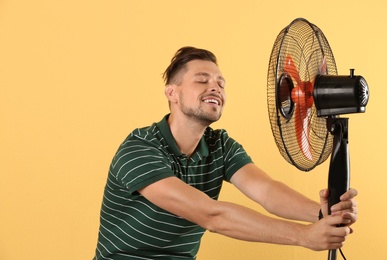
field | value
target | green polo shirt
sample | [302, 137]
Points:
[131, 227]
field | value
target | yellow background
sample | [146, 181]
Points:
[77, 76]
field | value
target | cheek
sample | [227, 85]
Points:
[187, 98]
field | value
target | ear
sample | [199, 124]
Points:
[170, 93]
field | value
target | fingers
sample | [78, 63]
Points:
[350, 194]
[349, 212]
[334, 233]
[338, 233]
[336, 221]
[351, 217]
[343, 215]
[347, 206]
[338, 237]
[336, 244]
[324, 193]
[324, 201]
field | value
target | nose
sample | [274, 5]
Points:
[215, 87]
[218, 91]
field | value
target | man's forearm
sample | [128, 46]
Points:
[290, 204]
[243, 223]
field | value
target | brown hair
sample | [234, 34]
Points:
[182, 57]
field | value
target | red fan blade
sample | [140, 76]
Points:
[323, 67]
[303, 97]
[291, 68]
[302, 131]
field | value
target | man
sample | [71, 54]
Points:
[164, 181]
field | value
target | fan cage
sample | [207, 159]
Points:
[308, 47]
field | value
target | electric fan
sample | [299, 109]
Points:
[305, 100]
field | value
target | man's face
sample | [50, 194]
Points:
[201, 92]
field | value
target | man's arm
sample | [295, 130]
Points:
[274, 196]
[279, 199]
[175, 196]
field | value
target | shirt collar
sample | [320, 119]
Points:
[200, 151]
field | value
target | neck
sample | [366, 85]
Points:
[186, 133]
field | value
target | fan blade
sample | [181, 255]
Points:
[302, 96]
[290, 67]
[323, 67]
[302, 130]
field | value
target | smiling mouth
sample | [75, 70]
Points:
[211, 101]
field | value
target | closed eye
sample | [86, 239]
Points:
[202, 81]
[204, 78]
[221, 84]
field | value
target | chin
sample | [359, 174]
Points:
[212, 119]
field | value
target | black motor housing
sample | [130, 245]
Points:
[336, 95]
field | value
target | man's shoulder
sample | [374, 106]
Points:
[147, 132]
[145, 135]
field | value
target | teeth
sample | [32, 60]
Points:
[212, 101]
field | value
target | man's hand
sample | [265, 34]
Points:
[346, 208]
[326, 235]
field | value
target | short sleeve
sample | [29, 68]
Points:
[235, 156]
[138, 163]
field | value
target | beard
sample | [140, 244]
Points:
[199, 115]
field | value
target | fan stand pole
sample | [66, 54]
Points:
[338, 179]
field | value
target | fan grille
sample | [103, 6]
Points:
[308, 47]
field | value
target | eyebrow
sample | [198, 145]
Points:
[208, 75]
